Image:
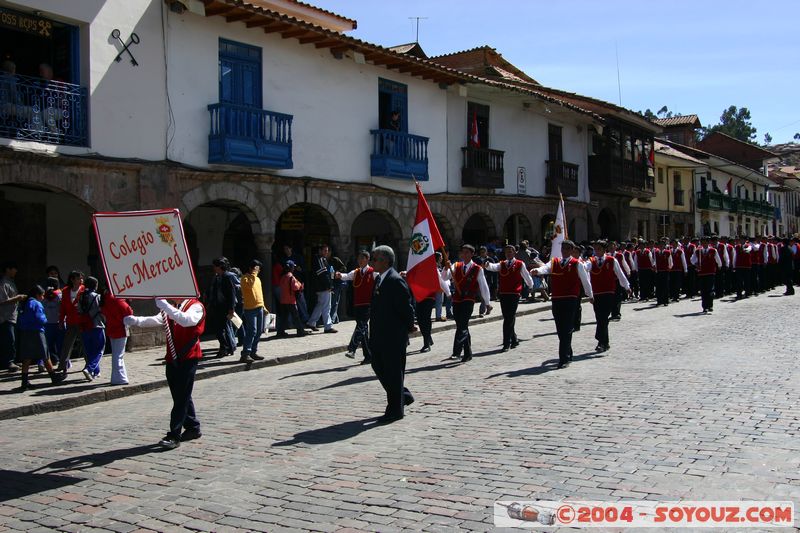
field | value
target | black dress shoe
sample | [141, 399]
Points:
[256, 357]
[191, 434]
[366, 361]
[425, 349]
[562, 364]
[466, 358]
[505, 349]
[388, 419]
[408, 399]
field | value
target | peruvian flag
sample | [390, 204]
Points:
[559, 230]
[422, 275]
[474, 139]
[651, 158]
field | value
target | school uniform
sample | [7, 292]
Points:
[605, 274]
[470, 286]
[363, 286]
[663, 267]
[708, 263]
[677, 273]
[512, 274]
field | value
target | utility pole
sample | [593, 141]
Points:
[417, 19]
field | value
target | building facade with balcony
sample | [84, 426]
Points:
[670, 213]
[730, 199]
[267, 125]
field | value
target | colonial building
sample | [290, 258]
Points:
[670, 213]
[266, 125]
[681, 129]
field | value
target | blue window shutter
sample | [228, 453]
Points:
[239, 74]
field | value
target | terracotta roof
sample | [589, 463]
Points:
[748, 145]
[665, 149]
[308, 33]
[413, 49]
[266, 4]
[679, 120]
[484, 59]
[698, 153]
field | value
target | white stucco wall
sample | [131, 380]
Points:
[127, 103]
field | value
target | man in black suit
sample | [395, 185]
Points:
[391, 319]
[785, 263]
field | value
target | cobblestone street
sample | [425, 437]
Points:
[683, 406]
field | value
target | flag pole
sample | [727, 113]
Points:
[564, 212]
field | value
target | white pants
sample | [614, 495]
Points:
[322, 310]
[118, 374]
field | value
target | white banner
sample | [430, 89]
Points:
[144, 254]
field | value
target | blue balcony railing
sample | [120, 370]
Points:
[35, 109]
[244, 135]
[399, 155]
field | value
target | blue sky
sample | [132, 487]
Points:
[697, 56]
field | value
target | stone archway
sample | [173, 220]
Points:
[478, 230]
[374, 227]
[609, 228]
[41, 226]
[445, 230]
[303, 227]
[517, 228]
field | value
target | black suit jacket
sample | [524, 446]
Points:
[391, 315]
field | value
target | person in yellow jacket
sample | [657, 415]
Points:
[254, 310]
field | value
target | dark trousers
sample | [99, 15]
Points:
[508, 305]
[389, 366]
[564, 310]
[578, 316]
[619, 297]
[646, 280]
[707, 290]
[743, 280]
[719, 282]
[634, 279]
[691, 282]
[788, 280]
[462, 311]
[180, 378]
[286, 312]
[662, 288]
[424, 309]
[755, 279]
[730, 281]
[71, 335]
[360, 336]
[603, 304]
[675, 284]
[8, 344]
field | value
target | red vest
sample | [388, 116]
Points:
[677, 264]
[604, 280]
[363, 286]
[708, 264]
[564, 281]
[743, 259]
[773, 254]
[662, 259]
[511, 277]
[467, 289]
[756, 256]
[643, 259]
[620, 257]
[183, 337]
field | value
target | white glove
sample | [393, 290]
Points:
[162, 304]
[129, 320]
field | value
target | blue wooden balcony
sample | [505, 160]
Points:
[242, 135]
[399, 155]
[35, 109]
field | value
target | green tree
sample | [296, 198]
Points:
[767, 139]
[736, 123]
[797, 136]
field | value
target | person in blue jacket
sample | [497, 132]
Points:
[32, 344]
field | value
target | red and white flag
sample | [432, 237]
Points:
[474, 138]
[422, 275]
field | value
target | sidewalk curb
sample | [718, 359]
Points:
[65, 403]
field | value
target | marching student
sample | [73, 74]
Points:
[621, 294]
[512, 274]
[678, 272]
[663, 264]
[723, 273]
[363, 279]
[186, 322]
[567, 276]
[743, 266]
[606, 275]
[470, 285]
[785, 260]
[691, 272]
[706, 259]
[643, 258]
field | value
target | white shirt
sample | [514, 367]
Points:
[349, 276]
[526, 276]
[188, 318]
[683, 260]
[584, 277]
[447, 274]
[700, 249]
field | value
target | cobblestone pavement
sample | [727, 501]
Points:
[146, 371]
[683, 406]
